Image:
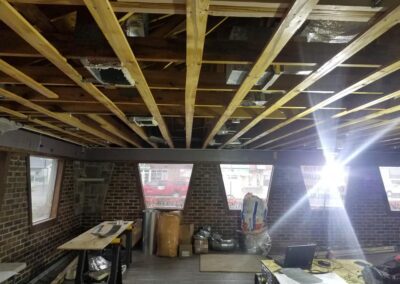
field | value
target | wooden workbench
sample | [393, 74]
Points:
[88, 241]
[345, 268]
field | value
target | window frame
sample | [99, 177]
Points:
[244, 163]
[43, 224]
[139, 178]
[389, 208]
[325, 208]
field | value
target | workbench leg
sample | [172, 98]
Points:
[128, 248]
[116, 273]
[82, 266]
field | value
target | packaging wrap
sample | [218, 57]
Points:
[168, 234]
[254, 213]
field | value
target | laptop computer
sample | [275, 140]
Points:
[298, 256]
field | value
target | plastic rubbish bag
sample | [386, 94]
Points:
[259, 241]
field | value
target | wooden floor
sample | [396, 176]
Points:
[146, 270]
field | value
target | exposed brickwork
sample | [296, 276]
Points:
[17, 243]
[367, 207]
[206, 203]
[367, 210]
[122, 199]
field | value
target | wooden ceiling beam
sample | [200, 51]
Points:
[36, 17]
[378, 28]
[26, 80]
[196, 25]
[107, 21]
[110, 127]
[51, 134]
[390, 96]
[208, 81]
[63, 117]
[350, 123]
[232, 8]
[375, 76]
[43, 123]
[294, 19]
[23, 28]
[216, 51]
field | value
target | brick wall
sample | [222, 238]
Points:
[367, 207]
[17, 243]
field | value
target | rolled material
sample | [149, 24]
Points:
[149, 231]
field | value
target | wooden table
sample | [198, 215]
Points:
[90, 242]
[345, 268]
[8, 270]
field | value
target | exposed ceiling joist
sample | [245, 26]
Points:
[390, 96]
[22, 27]
[360, 120]
[110, 127]
[233, 8]
[196, 25]
[20, 115]
[63, 117]
[293, 20]
[56, 128]
[107, 21]
[51, 134]
[379, 27]
[152, 49]
[375, 76]
[25, 79]
[36, 17]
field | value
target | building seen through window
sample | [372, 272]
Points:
[165, 186]
[240, 179]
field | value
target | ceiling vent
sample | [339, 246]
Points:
[255, 99]
[236, 73]
[108, 73]
[7, 125]
[214, 143]
[136, 25]
[235, 143]
[143, 121]
[225, 131]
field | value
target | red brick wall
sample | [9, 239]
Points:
[367, 207]
[17, 243]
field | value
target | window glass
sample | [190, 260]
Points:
[165, 186]
[43, 173]
[391, 182]
[326, 185]
[241, 179]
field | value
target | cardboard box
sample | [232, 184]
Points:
[185, 250]
[186, 234]
[200, 246]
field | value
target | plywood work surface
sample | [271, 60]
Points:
[89, 241]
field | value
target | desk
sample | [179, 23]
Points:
[89, 242]
[8, 270]
[345, 268]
